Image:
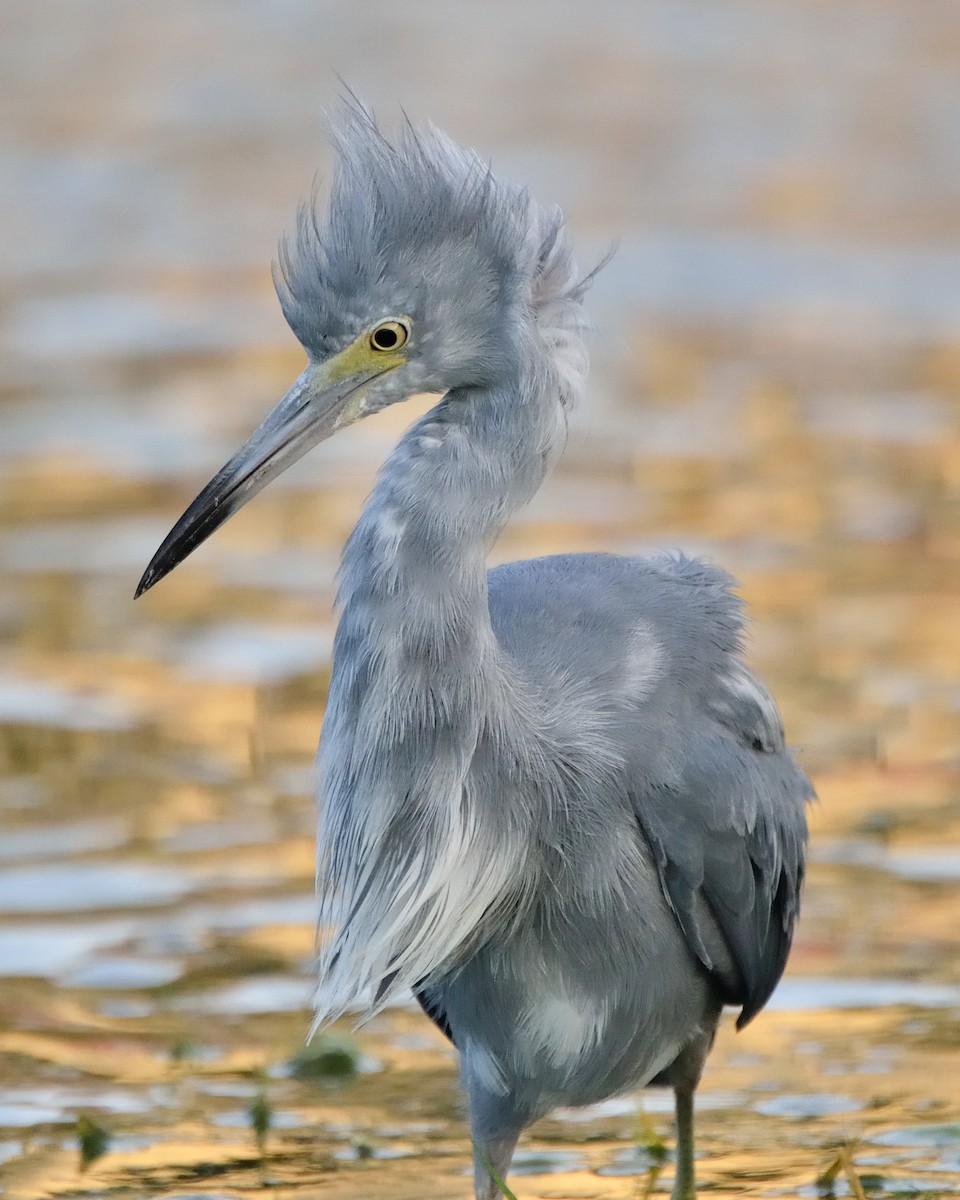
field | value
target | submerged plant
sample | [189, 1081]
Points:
[497, 1179]
[93, 1141]
[841, 1164]
[260, 1113]
[328, 1059]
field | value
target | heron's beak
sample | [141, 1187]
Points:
[328, 396]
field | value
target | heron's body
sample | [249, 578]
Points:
[583, 986]
[554, 801]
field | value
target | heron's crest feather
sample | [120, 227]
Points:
[405, 213]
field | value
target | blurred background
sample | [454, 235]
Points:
[775, 384]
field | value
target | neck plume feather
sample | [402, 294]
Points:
[410, 865]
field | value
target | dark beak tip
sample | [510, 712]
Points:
[147, 580]
[281, 438]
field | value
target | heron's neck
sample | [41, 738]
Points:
[409, 859]
[413, 577]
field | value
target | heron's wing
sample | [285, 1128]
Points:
[434, 1010]
[717, 796]
[727, 833]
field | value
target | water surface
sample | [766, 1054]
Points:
[777, 386]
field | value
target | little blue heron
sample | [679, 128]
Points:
[554, 801]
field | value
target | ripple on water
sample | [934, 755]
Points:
[25, 1107]
[926, 865]
[134, 1141]
[279, 1119]
[220, 835]
[546, 1162]
[946, 1135]
[807, 1104]
[278, 570]
[62, 839]
[124, 973]
[657, 1100]
[931, 866]
[224, 1087]
[810, 993]
[125, 1007]
[37, 702]
[248, 914]
[249, 997]
[747, 276]
[65, 887]
[46, 951]
[117, 546]
[114, 324]
[251, 652]
[26, 1113]
[194, 1196]
[636, 1160]
[159, 437]
[362, 1150]
[945, 1138]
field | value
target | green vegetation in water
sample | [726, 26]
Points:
[841, 1164]
[261, 1118]
[650, 1141]
[328, 1059]
[501, 1183]
[93, 1141]
[182, 1050]
[655, 1148]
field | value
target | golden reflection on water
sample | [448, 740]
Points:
[174, 741]
[156, 846]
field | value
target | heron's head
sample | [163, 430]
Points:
[423, 274]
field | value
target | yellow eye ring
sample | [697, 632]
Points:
[389, 335]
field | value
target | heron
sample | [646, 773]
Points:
[554, 801]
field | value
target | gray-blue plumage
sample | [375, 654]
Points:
[554, 801]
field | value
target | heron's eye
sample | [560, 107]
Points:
[391, 335]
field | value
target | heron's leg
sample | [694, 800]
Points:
[495, 1153]
[684, 1183]
[683, 1075]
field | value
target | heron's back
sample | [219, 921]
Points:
[597, 615]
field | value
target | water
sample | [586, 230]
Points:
[776, 385]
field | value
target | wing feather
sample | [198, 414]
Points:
[728, 835]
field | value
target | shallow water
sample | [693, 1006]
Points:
[777, 385]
